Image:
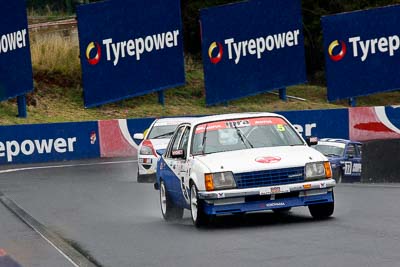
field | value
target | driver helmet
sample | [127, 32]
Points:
[227, 137]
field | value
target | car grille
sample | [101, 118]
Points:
[268, 197]
[269, 177]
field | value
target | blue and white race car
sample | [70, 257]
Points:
[237, 163]
[345, 158]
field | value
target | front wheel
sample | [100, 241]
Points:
[340, 177]
[322, 211]
[168, 209]
[199, 217]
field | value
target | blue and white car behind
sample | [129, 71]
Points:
[345, 158]
[154, 138]
[237, 163]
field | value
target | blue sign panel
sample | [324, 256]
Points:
[362, 52]
[327, 123]
[15, 56]
[392, 119]
[251, 47]
[48, 142]
[129, 48]
[139, 126]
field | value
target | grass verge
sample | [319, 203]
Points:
[57, 95]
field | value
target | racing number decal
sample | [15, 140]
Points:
[280, 128]
[348, 165]
[356, 168]
[352, 169]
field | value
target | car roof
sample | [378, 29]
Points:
[338, 140]
[173, 120]
[233, 116]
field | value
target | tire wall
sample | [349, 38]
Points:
[381, 161]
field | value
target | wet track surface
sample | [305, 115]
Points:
[19, 240]
[102, 210]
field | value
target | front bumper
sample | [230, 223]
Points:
[268, 190]
[268, 198]
[147, 165]
[147, 178]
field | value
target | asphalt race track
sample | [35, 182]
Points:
[98, 207]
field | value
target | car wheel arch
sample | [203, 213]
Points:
[192, 182]
[158, 181]
[198, 182]
[192, 177]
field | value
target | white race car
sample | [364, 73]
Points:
[237, 163]
[155, 137]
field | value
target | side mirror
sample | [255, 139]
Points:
[160, 152]
[178, 154]
[138, 136]
[312, 141]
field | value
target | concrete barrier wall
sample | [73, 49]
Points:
[113, 138]
[48, 142]
[116, 141]
[374, 123]
[381, 161]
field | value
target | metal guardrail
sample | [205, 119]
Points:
[63, 5]
[50, 24]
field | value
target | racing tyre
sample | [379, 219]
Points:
[168, 210]
[322, 211]
[139, 178]
[199, 217]
[339, 177]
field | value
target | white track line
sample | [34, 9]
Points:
[56, 248]
[76, 258]
[65, 166]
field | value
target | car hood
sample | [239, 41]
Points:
[330, 158]
[160, 143]
[260, 159]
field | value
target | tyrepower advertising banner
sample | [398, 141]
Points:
[129, 48]
[362, 52]
[251, 47]
[15, 56]
[48, 142]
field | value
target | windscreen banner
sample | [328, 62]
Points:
[15, 56]
[362, 52]
[129, 48]
[48, 142]
[251, 47]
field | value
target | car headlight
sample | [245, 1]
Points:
[318, 170]
[219, 180]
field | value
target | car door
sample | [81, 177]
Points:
[357, 161]
[352, 164]
[170, 172]
[183, 165]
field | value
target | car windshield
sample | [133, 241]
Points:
[161, 131]
[229, 135]
[330, 150]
